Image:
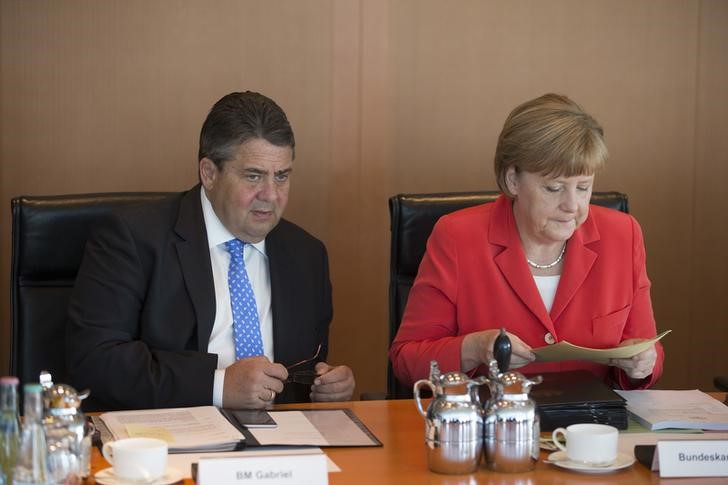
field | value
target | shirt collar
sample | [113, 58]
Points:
[217, 233]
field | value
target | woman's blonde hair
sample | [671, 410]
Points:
[549, 135]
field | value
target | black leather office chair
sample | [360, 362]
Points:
[412, 217]
[721, 383]
[49, 236]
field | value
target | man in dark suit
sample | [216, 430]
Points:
[152, 319]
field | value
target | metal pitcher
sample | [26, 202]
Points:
[512, 425]
[453, 421]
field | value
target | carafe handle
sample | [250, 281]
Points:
[416, 392]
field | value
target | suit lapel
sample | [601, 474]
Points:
[578, 262]
[511, 261]
[194, 257]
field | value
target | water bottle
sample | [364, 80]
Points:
[67, 434]
[31, 466]
[9, 428]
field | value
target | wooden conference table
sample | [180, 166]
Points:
[402, 460]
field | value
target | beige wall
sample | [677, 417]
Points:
[386, 97]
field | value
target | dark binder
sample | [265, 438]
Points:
[571, 397]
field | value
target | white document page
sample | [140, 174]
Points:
[693, 409]
[567, 351]
[293, 429]
[316, 427]
[184, 429]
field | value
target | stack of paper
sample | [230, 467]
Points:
[676, 409]
[194, 429]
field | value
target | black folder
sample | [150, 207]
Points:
[571, 397]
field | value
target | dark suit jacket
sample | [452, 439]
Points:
[143, 306]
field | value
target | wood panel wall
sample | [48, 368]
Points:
[386, 97]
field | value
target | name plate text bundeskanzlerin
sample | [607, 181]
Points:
[692, 458]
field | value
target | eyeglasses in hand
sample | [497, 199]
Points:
[303, 376]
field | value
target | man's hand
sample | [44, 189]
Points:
[638, 366]
[252, 383]
[333, 383]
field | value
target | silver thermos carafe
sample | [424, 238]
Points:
[453, 421]
[512, 426]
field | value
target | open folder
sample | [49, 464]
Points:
[207, 428]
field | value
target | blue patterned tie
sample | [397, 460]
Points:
[246, 326]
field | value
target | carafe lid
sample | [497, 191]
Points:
[451, 379]
[509, 383]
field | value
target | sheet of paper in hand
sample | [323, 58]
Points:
[568, 351]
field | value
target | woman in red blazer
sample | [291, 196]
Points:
[540, 262]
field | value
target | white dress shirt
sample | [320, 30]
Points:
[256, 264]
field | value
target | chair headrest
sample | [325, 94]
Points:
[50, 232]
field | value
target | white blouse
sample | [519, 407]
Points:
[547, 288]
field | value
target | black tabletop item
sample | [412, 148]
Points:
[577, 396]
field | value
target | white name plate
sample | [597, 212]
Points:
[269, 469]
[693, 458]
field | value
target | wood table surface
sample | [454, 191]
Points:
[402, 459]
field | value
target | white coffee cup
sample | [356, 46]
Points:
[137, 458]
[591, 444]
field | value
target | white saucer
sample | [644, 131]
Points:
[560, 459]
[107, 477]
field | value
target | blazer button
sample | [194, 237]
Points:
[549, 339]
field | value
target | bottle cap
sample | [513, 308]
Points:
[32, 387]
[9, 381]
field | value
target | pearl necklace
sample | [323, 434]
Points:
[549, 265]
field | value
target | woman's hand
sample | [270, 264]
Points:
[638, 366]
[477, 349]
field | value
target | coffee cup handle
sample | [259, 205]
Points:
[108, 451]
[554, 438]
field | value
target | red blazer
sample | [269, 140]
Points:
[474, 276]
